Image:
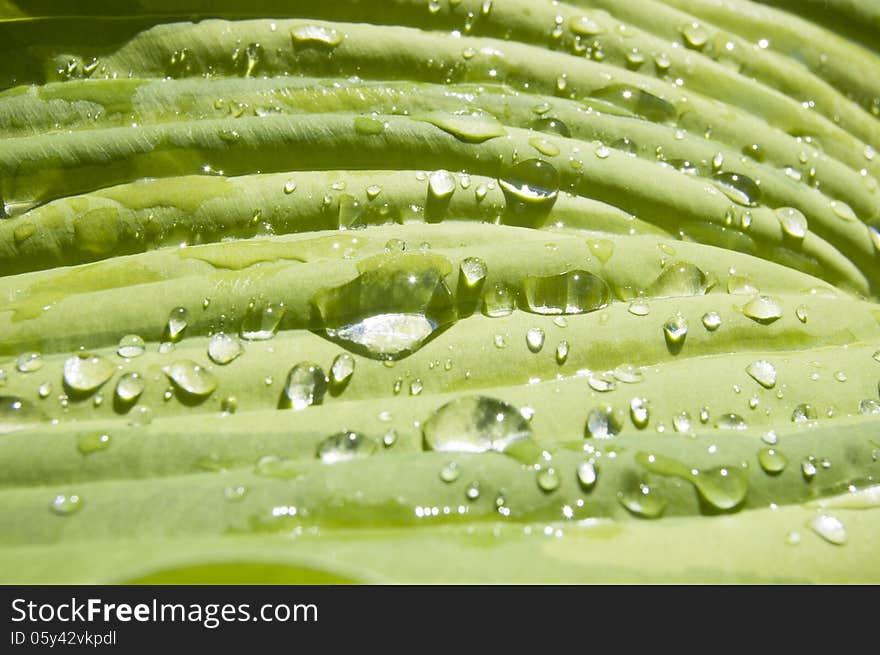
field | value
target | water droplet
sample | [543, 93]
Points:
[674, 331]
[603, 423]
[711, 321]
[544, 146]
[628, 374]
[639, 308]
[475, 424]
[178, 320]
[869, 407]
[450, 473]
[830, 528]
[473, 491]
[532, 182]
[223, 348]
[140, 416]
[316, 35]
[803, 412]
[643, 501]
[763, 309]
[601, 383]
[793, 222]
[694, 35]
[441, 185]
[129, 388]
[762, 372]
[585, 26]
[261, 321]
[844, 211]
[344, 446]
[388, 311]
[342, 369]
[191, 378]
[731, 422]
[235, 493]
[562, 352]
[801, 313]
[722, 487]
[573, 292]
[306, 385]
[679, 279]
[639, 102]
[44, 389]
[17, 413]
[130, 346]
[389, 438]
[639, 412]
[66, 504]
[808, 468]
[84, 373]
[739, 188]
[468, 127]
[772, 461]
[499, 300]
[29, 362]
[681, 422]
[415, 387]
[92, 442]
[552, 126]
[535, 339]
[587, 475]
[473, 271]
[548, 480]
[289, 187]
[368, 125]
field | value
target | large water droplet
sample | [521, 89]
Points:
[306, 385]
[830, 528]
[741, 189]
[29, 362]
[638, 102]
[17, 413]
[762, 372]
[92, 442]
[316, 36]
[441, 185]
[643, 501]
[711, 321]
[675, 331]
[223, 348]
[129, 388]
[475, 424]
[585, 26]
[178, 320]
[679, 279]
[66, 504]
[763, 309]
[772, 461]
[345, 446]
[499, 300]
[192, 379]
[573, 292]
[793, 222]
[468, 127]
[130, 346]
[603, 423]
[450, 472]
[84, 373]
[261, 321]
[532, 183]
[396, 303]
[548, 480]
[551, 125]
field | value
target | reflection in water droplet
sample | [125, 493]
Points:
[130, 346]
[84, 373]
[305, 386]
[602, 423]
[830, 528]
[344, 446]
[473, 491]
[223, 348]
[475, 424]
[573, 292]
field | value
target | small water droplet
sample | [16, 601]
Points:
[772, 461]
[468, 127]
[473, 271]
[178, 320]
[551, 125]
[441, 185]
[562, 352]
[711, 321]
[585, 26]
[316, 35]
[235, 493]
[342, 369]
[695, 35]
[763, 309]
[140, 416]
[473, 491]
[730, 422]
[499, 300]
[808, 468]
[573, 292]
[762, 372]
[601, 383]
[869, 407]
[830, 528]
[681, 422]
[475, 424]
[66, 504]
[289, 187]
[129, 388]
[679, 279]
[801, 313]
[793, 222]
[223, 348]
[603, 423]
[532, 182]
[305, 386]
[643, 502]
[130, 346]
[675, 331]
[389, 438]
[548, 480]
[587, 475]
[261, 321]
[803, 412]
[535, 339]
[91, 442]
[639, 412]
[639, 308]
[843, 210]
[344, 446]
[29, 362]
[415, 387]
[741, 189]
[450, 473]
